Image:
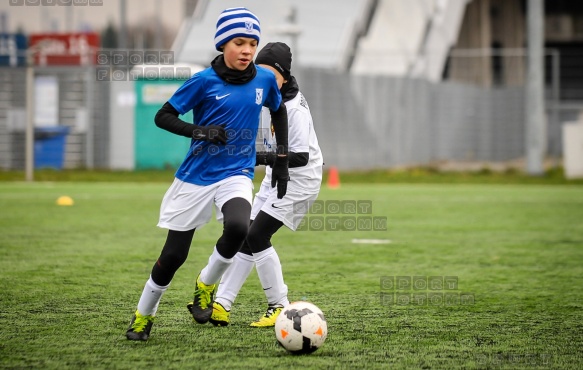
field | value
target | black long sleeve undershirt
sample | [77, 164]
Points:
[298, 159]
[295, 159]
[167, 119]
[280, 128]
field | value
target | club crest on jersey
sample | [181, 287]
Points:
[259, 96]
[248, 26]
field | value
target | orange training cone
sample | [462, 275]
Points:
[333, 178]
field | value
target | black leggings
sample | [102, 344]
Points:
[260, 233]
[236, 214]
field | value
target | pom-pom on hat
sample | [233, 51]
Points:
[236, 22]
[277, 55]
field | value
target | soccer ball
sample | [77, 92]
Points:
[301, 328]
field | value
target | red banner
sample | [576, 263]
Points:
[51, 49]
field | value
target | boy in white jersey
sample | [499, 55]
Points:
[270, 213]
[226, 100]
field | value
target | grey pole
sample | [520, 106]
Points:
[292, 19]
[69, 24]
[29, 133]
[158, 39]
[123, 29]
[535, 129]
[89, 106]
[556, 87]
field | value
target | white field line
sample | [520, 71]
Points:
[371, 241]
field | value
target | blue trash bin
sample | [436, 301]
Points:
[49, 146]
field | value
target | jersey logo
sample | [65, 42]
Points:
[266, 143]
[274, 206]
[259, 96]
[222, 96]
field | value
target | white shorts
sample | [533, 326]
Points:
[290, 210]
[187, 206]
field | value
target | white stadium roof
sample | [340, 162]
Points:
[326, 29]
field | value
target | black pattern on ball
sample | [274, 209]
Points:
[296, 316]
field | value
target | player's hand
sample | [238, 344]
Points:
[212, 133]
[265, 159]
[280, 175]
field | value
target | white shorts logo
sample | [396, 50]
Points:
[259, 96]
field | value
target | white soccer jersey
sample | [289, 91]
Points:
[302, 139]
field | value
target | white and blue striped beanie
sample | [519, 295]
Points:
[236, 22]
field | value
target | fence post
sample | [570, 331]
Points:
[90, 132]
[535, 113]
[29, 133]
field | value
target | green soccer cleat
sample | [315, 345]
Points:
[201, 307]
[140, 327]
[268, 318]
[220, 316]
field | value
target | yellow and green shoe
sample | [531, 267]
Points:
[140, 327]
[201, 307]
[220, 316]
[268, 318]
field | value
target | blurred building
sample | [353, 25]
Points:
[429, 39]
[148, 23]
[390, 83]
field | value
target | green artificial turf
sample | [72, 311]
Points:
[509, 257]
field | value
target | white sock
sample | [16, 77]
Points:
[151, 295]
[212, 272]
[233, 279]
[271, 276]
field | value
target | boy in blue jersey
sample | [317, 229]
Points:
[226, 100]
[269, 213]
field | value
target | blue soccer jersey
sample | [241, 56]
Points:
[235, 107]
